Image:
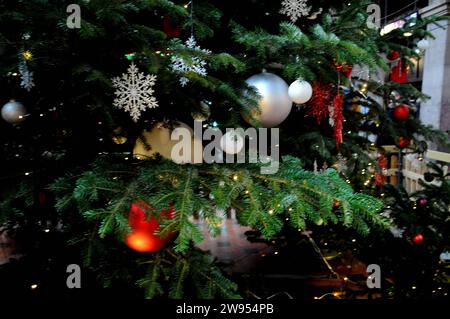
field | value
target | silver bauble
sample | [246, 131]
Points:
[14, 112]
[274, 104]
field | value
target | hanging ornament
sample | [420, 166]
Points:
[134, 92]
[347, 70]
[393, 55]
[341, 164]
[300, 92]
[399, 73]
[338, 118]
[428, 177]
[14, 112]
[401, 112]
[195, 64]
[295, 9]
[158, 141]
[274, 103]
[381, 177]
[423, 44]
[232, 143]
[169, 29]
[403, 142]
[26, 76]
[204, 113]
[143, 237]
[321, 99]
[417, 239]
[344, 68]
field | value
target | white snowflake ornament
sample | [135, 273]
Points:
[295, 9]
[195, 64]
[134, 93]
[27, 77]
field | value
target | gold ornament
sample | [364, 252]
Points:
[27, 55]
[119, 140]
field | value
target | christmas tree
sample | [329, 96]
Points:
[98, 95]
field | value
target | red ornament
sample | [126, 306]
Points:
[393, 55]
[347, 70]
[403, 142]
[170, 30]
[417, 239]
[401, 112]
[321, 99]
[143, 238]
[344, 68]
[380, 178]
[399, 73]
[338, 118]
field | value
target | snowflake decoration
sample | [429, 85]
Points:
[295, 9]
[134, 92]
[341, 164]
[195, 64]
[26, 77]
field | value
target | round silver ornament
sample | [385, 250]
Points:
[14, 112]
[274, 103]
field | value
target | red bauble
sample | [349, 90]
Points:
[403, 142]
[170, 30]
[393, 55]
[143, 238]
[401, 112]
[417, 239]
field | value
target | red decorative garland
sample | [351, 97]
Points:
[380, 178]
[322, 98]
[338, 118]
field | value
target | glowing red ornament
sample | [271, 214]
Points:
[401, 112]
[143, 238]
[417, 239]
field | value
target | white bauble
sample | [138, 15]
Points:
[160, 142]
[300, 92]
[14, 112]
[423, 44]
[232, 143]
[274, 104]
